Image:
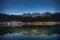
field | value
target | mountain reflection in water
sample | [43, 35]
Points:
[18, 36]
[31, 33]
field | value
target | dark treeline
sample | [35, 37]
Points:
[47, 17]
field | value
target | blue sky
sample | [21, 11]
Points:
[25, 6]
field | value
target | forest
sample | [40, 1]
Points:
[47, 17]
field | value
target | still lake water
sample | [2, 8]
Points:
[16, 34]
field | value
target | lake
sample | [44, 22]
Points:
[31, 33]
[17, 36]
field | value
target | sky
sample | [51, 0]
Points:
[29, 6]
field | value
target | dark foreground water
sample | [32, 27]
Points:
[19, 36]
[30, 33]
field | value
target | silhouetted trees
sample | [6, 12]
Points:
[28, 17]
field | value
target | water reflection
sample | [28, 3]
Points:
[18, 36]
[30, 33]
